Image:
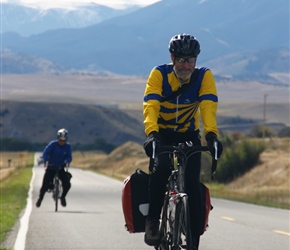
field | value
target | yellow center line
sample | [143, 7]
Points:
[281, 232]
[228, 218]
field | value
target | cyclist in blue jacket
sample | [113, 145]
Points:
[57, 153]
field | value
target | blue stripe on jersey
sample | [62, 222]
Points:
[152, 97]
[209, 97]
[165, 70]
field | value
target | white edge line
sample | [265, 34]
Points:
[24, 221]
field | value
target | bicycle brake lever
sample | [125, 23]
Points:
[154, 148]
[215, 145]
[214, 162]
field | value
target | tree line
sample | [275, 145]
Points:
[14, 145]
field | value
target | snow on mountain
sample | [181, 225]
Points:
[30, 21]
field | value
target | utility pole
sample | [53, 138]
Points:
[264, 115]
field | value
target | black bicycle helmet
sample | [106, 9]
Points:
[184, 45]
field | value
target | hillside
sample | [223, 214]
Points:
[39, 122]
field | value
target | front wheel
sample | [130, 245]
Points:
[182, 238]
[165, 235]
[56, 193]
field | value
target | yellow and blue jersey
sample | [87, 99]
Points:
[182, 113]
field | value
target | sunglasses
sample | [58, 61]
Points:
[183, 60]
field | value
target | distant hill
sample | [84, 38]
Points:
[39, 122]
[134, 43]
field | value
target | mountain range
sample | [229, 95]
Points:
[237, 38]
[27, 21]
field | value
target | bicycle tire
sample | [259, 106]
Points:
[165, 237]
[182, 238]
[56, 193]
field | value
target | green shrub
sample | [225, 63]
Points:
[284, 132]
[261, 131]
[238, 157]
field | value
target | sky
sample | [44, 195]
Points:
[117, 4]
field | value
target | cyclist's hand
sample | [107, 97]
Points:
[211, 138]
[153, 136]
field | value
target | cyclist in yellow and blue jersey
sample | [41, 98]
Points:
[176, 96]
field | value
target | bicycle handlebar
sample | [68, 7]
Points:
[189, 147]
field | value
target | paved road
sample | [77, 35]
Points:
[93, 219]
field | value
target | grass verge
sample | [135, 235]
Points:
[13, 192]
[268, 198]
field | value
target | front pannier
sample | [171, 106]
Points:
[135, 201]
[207, 207]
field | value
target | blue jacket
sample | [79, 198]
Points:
[57, 155]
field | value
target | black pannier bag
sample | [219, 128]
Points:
[135, 201]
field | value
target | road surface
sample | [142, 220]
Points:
[93, 219]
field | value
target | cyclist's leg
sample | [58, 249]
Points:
[47, 179]
[66, 185]
[157, 185]
[158, 177]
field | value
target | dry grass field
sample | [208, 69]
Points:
[273, 171]
[120, 163]
[11, 161]
[236, 98]
[269, 180]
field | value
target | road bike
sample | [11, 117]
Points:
[57, 188]
[175, 219]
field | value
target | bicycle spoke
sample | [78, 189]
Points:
[182, 232]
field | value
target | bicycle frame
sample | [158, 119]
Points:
[175, 229]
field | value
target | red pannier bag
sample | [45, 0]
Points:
[208, 206]
[135, 201]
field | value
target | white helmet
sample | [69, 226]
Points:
[62, 134]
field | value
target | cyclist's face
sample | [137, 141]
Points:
[61, 142]
[184, 66]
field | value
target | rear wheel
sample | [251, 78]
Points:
[182, 234]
